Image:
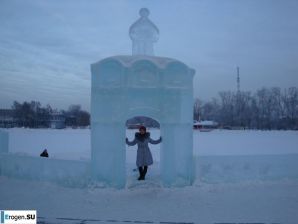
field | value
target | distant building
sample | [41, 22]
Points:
[205, 125]
[57, 120]
[6, 118]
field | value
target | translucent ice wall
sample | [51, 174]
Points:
[127, 86]
[68, 173]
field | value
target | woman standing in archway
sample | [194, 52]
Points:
[144, 156]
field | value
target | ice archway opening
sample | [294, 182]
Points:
[152, 126]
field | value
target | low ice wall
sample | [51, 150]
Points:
[65, 172]
[219, 169]
[209, 169]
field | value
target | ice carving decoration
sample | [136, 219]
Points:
[123, 87]
[143, 34]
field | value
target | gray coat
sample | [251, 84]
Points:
[144, 156]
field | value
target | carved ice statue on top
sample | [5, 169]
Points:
[143, 34]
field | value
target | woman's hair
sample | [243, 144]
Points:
[142, 128]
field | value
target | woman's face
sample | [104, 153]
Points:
[142, 131]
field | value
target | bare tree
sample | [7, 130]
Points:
[197, 109]
[291, 106]
[267, 108]
[227, 108]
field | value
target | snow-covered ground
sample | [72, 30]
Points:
[75, 143]
[242, 176]
[263, 202]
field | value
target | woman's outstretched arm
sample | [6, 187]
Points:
[154, 142]
[132, 143]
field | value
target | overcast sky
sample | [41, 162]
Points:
[46, 47]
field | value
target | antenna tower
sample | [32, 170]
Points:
[238, 80]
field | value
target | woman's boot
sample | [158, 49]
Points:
[141, 173]
[144, 172]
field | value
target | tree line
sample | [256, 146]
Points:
[267, 108]
[34, 115]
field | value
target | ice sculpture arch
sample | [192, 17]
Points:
[141, 84]
[156, 87]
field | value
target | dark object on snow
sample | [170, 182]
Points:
[44, 153]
